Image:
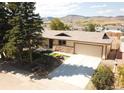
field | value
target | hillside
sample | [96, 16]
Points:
[82, 20]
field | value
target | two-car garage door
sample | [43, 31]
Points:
[87, 49]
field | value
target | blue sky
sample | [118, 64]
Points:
[60, 8]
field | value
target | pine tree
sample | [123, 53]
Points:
[32, 26]
[25, 25]
[4, 26]
[12, 35]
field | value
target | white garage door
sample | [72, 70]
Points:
[89, 50]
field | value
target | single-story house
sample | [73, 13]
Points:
[96, 44]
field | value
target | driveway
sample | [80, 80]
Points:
[73, 74]
[77, 70]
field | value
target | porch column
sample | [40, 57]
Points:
[74, 48]
[104, 52]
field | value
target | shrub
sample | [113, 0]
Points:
[57, 24]
[121, 75]
[103, 78]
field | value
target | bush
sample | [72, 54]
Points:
[121, 75]
[90, 27]
[103, 78]
[57, 24]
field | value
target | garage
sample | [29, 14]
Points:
[88, 49]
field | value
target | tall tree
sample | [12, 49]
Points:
[14, 34]
[56, 24]
[25, 27]
[4, 26]
[32, 26]
[90, 27]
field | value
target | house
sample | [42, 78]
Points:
[96, 44]
[113, 31]
[114, 27]
[115, 36]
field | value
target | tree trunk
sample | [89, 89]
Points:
[30, 51]
[20, 54]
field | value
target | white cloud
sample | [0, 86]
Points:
[57, 7]
[105, 11]
[98, 6]
[122, 10]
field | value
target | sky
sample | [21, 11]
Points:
[60, 8]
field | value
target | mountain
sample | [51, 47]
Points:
[82, 20]
[70, 18]
[47, 18]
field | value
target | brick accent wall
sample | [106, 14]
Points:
[66, 49]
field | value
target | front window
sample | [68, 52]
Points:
[62, 42]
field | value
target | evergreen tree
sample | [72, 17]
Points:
[32, 26]
[4, 26]
[25, 25]
[14, 34]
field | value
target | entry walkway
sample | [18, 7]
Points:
[76, 70]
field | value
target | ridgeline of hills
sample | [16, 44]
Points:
[82, 20]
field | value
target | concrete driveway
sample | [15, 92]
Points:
[73, 74]
[77, 70]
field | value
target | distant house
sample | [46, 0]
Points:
[99, 29]
[96, 44]
[115, 27]
[77, 28]
[122, 44]
[114, 31]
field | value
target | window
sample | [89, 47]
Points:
[62, 42]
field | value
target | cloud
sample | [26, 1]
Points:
[57, 7]
[122, 10]
[105, 11]
[98, 6]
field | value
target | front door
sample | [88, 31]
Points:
[50, 43]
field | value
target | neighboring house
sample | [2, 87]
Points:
[99, 29]
[114, 27]
[96, 44]
[77, 28]
[115, 36]
[122, 44]
[114, 31]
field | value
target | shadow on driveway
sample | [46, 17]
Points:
[70, 70]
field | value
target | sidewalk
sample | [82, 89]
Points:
[10, 81]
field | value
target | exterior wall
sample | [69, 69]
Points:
[100, 51]
[45, 43]
[68, 48]
[55, 42]
[108, 50]
[115, 43]
[69, 43]
[90, 50]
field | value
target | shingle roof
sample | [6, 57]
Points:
[93, 37]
